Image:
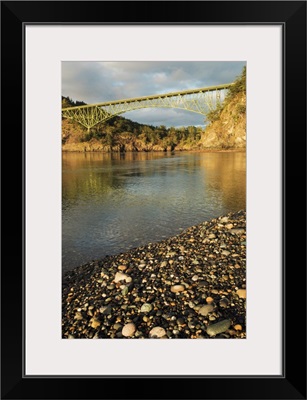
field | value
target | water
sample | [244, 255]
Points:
[114, 202]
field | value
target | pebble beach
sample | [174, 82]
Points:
[189, 286]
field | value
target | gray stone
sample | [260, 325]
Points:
[146, 307]
[219, 327]
[206, 309]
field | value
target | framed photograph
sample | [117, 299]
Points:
[196, 301]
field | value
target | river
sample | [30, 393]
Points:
[112, 202]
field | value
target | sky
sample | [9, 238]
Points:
[97, 82]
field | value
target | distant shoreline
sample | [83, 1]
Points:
[240, 150]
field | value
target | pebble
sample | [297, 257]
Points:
[122, 267]
[212, 236]
[94, 322]
[194, 278]
[219, 327]
[206, 309]
[237, 231]
[146, 307]
[225, 253]
[209, 299]
[238, 327]
[129, 329]
[157, 332]
[177, 288]
[119, 276]
[224, 302]
[241, 293]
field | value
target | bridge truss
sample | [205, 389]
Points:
[199, 101]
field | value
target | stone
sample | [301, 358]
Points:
[194, 278]
[206, 309]
[211, 236]
[237, 231]
[157, 332]
[177, 288]
[122, 267]
[94, 322]
[163, 264]
[78, 315]
[125, 291]
[229, 226]
[119, 276]
[146, 307]
[238, 327]
[106, 310]
[225, 253]
[129, 329]
[241, 293]
[224, 220]
[209, 299]
[219, 327]
[224, 302]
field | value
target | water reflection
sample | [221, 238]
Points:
[112, 202]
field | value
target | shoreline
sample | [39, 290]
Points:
[192, 285]
[238, 150]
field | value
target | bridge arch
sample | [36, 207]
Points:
[199, 101]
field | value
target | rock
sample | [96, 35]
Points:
[157, 332]
[129, 329]
[146, 307]
[229, 226]
[106, 310]
[238, 327]
[94, 322]
[211, 236]
[219, 327]
[119, 276]
[225, 253]
[163, 264]
[194, 278]
[237, 231]
[209, 299]
[203, 283]
[224, 302]
[78, 316]
[122, 267]
[224, 220]
[206, 309]
[125, 291]
[241, 293]
[177, 288]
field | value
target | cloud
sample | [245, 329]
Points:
[94, 82]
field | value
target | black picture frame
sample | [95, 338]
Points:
[292, 16]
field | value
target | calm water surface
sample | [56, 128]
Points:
[114, 202]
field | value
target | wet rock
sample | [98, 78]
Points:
[206, 309]
[129, 330]
[157, 332]
[219, 327]
[241, 293]
[146, 308]
[119, 276]
[177, 288]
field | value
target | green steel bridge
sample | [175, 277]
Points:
[199, 100]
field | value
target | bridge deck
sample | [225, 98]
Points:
[155, 96]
